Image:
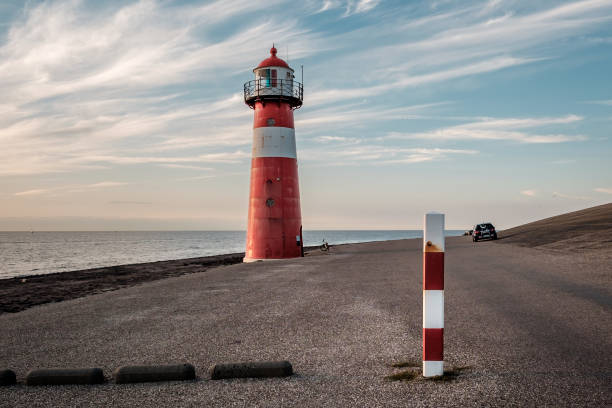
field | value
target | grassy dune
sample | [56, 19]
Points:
[584, 230]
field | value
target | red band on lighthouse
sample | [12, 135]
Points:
[272, 114]
[274, 221]
[433, 295]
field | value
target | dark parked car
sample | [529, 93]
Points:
[484, 231]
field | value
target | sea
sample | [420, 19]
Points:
[33, 253]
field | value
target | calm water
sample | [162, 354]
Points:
[27, 253]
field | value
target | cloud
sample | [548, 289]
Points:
[37, 191]
[466, 41]
[78, 188]
[498, 129]
[154, 83]
[350, 6]
[529, 193]
[603, 190]
[571, 197]
[330, 139]
[370, 154]
[103, 184]
[118, 202]
[523, 123]
[326, 96]
[607, 102]
[63, 47]
[221, 157]
[83, 82]
[186, 166]
[361, 6]
[348, 115]
[514, 32]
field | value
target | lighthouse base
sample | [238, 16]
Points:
[248, 260]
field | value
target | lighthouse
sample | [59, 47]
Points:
[274, 228]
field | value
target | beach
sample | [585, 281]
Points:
[523, 327]
[20, 293]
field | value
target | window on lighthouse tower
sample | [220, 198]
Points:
[264, 78]
[268, 78]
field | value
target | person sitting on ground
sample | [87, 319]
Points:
[325, 246]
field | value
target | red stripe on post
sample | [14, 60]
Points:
[433, 270]
[433, 344]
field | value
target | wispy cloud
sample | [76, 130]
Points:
[350, 7]
[603, 190]
[529, 193]
[98, 85]
[103, 184]
[37, 191]
[78, 188]
[498, 129]
[607, 102]
[85, 84]
[376, 155]
[327, 96]
[349, 115]
[330, 139]
[120, 202]
[569, 196]
[464, 41]
[187, 167]
[222, 157]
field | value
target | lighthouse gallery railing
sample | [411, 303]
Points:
[274, 89]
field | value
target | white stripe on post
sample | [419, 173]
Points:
[433, 295]
[433, 368]
[433, 303]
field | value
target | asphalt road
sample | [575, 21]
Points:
[524, 327]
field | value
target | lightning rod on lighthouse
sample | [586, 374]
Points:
[274, 228]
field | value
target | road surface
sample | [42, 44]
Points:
[524, 327]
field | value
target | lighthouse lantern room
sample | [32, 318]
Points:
[274, 228]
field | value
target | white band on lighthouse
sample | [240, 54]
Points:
[274, 142]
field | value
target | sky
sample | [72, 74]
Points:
[123, 115]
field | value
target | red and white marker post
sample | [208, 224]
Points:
[433, 295]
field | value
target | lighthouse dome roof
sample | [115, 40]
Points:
[273, 61]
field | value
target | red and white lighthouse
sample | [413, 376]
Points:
[274, 229]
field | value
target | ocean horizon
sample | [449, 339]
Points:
[24, 253]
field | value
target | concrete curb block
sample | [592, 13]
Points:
[63, 376]
[134, 374]
[251, 370]
[7, 377]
